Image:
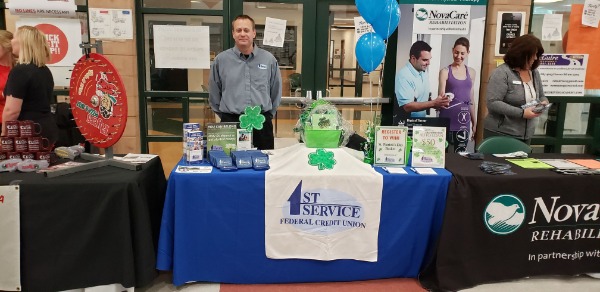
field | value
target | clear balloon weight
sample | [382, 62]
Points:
[370, 9]
[370, 50]
[387, 22]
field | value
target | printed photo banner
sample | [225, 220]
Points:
[322, 217]
[440, 23]
[43, 8]
[98, 100]
[10, 245]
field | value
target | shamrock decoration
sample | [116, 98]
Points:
[322, 159]
[252, 118]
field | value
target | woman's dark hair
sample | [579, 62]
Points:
[521, 49]
[463, 41]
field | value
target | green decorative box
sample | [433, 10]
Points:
[322, 138]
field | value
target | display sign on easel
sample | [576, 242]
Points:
[10, 252]
[390, 146]
[429, 147]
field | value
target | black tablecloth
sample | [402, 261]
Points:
[552, 226]
[90, 228]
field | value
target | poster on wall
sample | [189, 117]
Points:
[182, 46]
[116, 24]
[274, 33]
[563, 74]
[511, 25]
[43, 8]
[64, 37]
[454, 29]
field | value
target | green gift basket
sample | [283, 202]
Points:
[322, 138]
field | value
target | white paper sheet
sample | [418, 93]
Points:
[182, 47]
[111, 23]
[591, 13]
[274, 32]
[552, 27]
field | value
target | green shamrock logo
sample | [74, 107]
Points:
[322, 159]
[252, 118]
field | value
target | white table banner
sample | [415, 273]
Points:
[10, 241]
[321, 214]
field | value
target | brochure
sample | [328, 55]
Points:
[193, 169]
[429, 147]
[530, 163]
[390, 146]
[562, 164]
[221, 136]
[589, 163]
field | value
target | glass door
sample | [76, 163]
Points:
[295, 56]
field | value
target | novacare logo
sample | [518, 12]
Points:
[421, 14]
[322, 211]
[504, 214]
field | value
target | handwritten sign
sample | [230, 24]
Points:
[181, 46]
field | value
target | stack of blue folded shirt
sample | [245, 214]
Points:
[250, 159]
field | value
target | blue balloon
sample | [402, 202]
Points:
[370, 9]
[385, 24]
[370, 50]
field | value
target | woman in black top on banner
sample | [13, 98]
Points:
[30, 84]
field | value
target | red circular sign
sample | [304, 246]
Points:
[57, 40]
[98, 100]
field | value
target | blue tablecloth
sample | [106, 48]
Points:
[213, 229]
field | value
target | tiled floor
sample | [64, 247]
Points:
[538, 284]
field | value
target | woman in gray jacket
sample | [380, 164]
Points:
[512, 85]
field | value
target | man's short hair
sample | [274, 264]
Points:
[243, 16]
[418, 47]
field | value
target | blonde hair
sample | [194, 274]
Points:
[5, 38]
[33, 47]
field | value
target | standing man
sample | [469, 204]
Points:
[412, 86]
[246, 75]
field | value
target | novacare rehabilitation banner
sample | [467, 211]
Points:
[321, 214]
[10, 243]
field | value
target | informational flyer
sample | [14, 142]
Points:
[274, 32]
[390, 146]
[563, 74]
[193, 169]
[591, 13]
[361, 26]
[244, 139]
[441, 19]
[43, 8]
[221, 136]
[552, 27]
[182, 46]
[111, 23]
[429, 147]
[511, 25]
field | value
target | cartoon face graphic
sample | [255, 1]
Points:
[106, 106]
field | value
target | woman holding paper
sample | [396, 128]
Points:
[456, 82]
[30, 84]
[514, 89]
